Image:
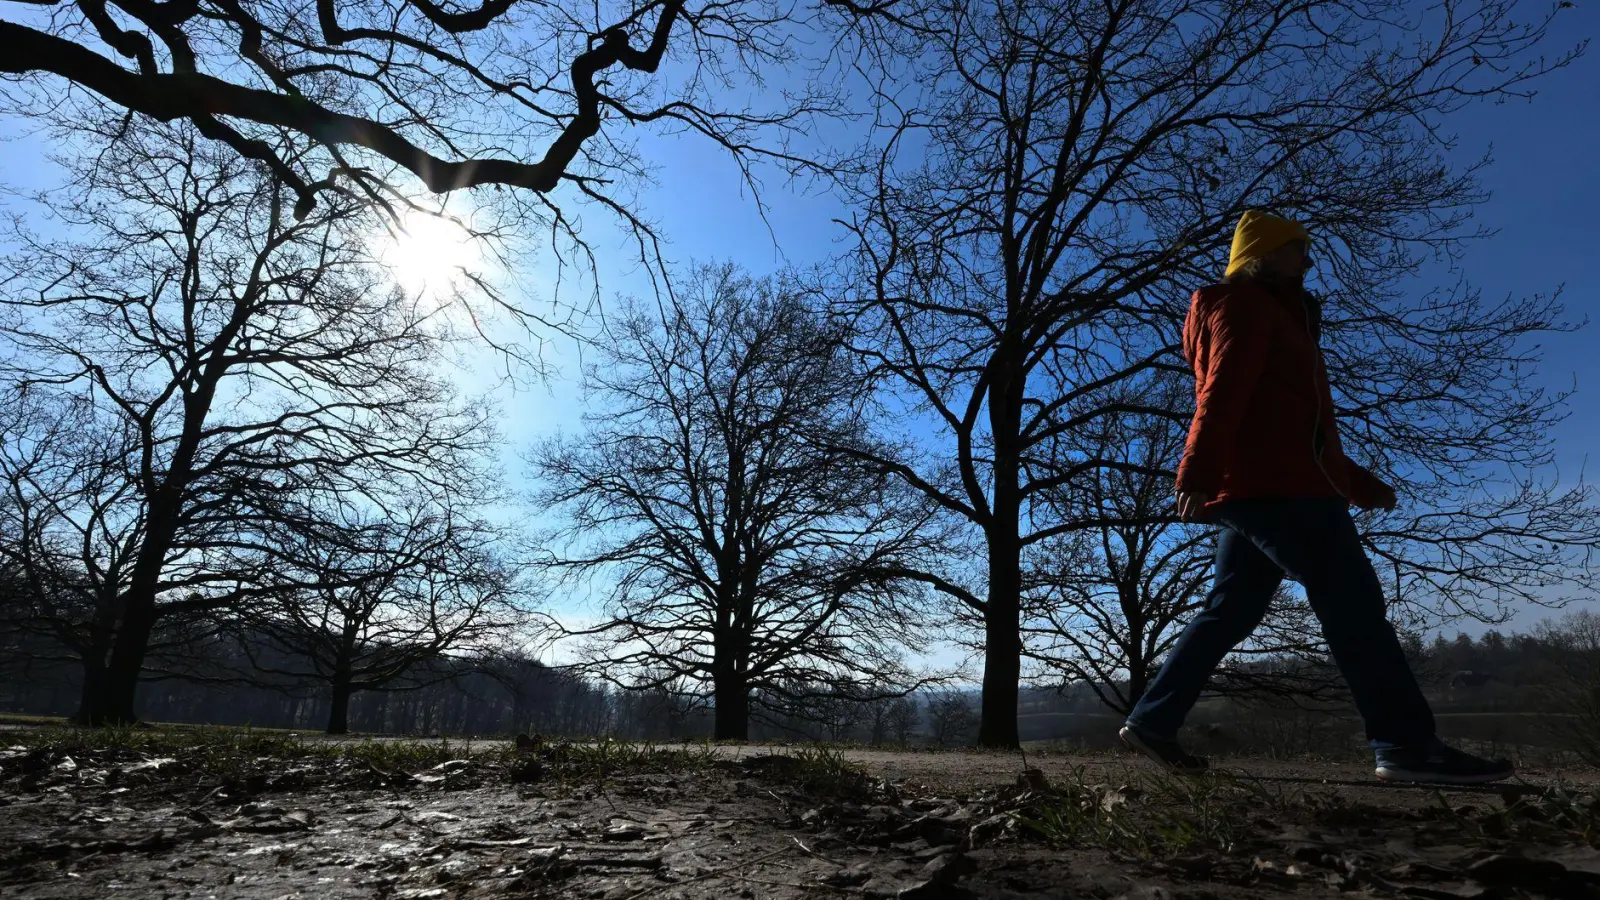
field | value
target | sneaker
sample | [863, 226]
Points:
[1164, 751]
[1440, 764]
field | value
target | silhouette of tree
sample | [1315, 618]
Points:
[383, 597]
[952, 718]
[1104, 605]
[228, 359]
[1061, 177]
[525, 95]
[738, 547]
[1573, 646]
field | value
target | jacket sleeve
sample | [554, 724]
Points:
[1365, 487]
[1235, 339]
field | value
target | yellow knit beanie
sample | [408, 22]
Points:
[1261, 233]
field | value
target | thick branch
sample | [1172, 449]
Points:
[199, 97]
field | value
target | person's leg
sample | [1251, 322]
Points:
[1240, 594]
[1316, 543]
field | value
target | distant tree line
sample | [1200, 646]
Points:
[1534, 689]
[221, 681]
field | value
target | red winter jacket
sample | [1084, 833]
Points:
[1262, 404]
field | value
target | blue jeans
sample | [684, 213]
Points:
[1314, 542]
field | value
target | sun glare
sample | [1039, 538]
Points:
[427, 255]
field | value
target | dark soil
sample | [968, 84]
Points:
[756, 823]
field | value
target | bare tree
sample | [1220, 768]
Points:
[1441, 391]
[1066, 173]
[1573, 644]
[903, 720]
[73, 528]
[891, 719]
[382, 598]
[951, 717]
[502, 93]
[240, 357]
[64, 483]
[740, 548]
[1103, 605]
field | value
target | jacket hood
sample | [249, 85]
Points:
[1260, 233]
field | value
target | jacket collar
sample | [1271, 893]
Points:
[1299, 303]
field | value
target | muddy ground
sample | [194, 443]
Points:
[234, 819]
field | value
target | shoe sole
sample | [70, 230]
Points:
[1402, 776]
[1131, 739]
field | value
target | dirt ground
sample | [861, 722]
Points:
[767, 822]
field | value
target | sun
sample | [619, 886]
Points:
[430, 255]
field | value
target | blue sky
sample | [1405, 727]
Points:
[1545, 184]
[1545, 203]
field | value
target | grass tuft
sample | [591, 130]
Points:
[817, 770]
[1145, 813]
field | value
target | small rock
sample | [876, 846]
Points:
[887, 814]
[1147, 892]
[527, 772]
[623, 831]
[992, 827]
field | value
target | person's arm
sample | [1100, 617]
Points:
[1367, 490]
[1235, 335]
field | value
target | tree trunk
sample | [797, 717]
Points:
[1138, 666]
[1002, 617]
[732, 698]
[138, 602]
[94, 700]
[92, 697]
[139, 614]
[1002, 634]
[339, 708]
[339, 683]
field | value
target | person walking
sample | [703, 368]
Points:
[1263, 461]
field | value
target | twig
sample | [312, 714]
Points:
[814, 854]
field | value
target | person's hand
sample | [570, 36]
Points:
[1191, 505]
[1381, 497]
[1385, 498]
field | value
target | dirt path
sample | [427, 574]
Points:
[766, 822]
